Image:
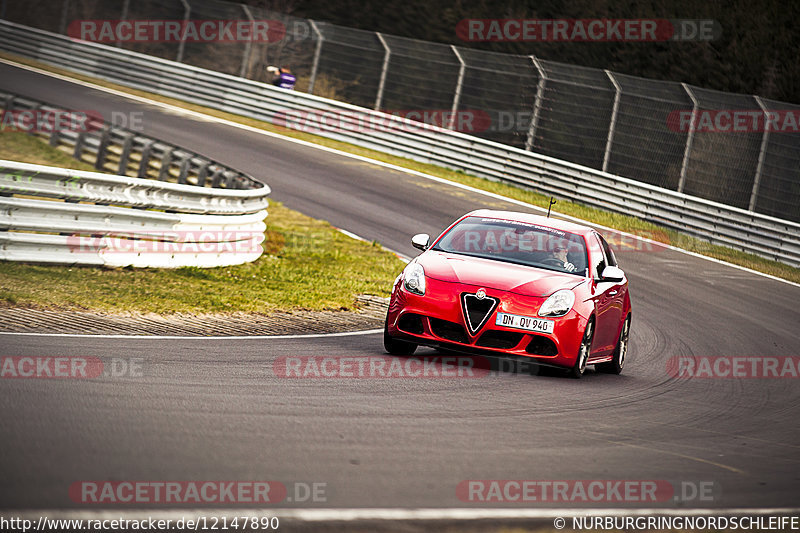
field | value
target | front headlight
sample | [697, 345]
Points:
[414, 278]
[559, 303]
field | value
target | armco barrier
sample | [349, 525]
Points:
[745, 230]
[113, 225]
[119, 150]
[190, 212]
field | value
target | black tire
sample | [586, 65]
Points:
[583, 352]
[620, 351]
[396, 346]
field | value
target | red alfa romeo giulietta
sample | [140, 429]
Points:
[518, 285]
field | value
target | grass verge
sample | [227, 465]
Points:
[307, 264]
[597, 216]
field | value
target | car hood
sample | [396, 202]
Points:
[525, 280]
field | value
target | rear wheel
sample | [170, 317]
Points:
[583, 352]
[615, 365]
[396, 346]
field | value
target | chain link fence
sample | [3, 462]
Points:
[734, 149]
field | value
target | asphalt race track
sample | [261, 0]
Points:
[216, 410]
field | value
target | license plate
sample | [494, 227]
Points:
[538, 325]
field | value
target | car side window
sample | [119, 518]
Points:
[611, 259]
[597, 255]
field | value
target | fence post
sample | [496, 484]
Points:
[537, 104]
[125, 8]
[249, 44]
[317, 53]
[64, 13]
[382, 84]
[689, 140]
[187, 10]
[613, 123]
[762, 154]
[459, 84]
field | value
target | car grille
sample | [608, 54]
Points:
[541, 346]
[476, 310]
[499, 339]
[448, 330]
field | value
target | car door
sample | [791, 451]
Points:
[609, 298]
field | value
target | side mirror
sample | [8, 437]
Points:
[613, 274]
[420, 240]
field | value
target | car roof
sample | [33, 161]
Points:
[554, 223]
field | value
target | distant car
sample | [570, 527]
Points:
[514, 284]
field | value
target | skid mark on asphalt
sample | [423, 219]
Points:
[737, 435]
[600, 436]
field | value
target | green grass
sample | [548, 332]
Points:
[19, 146]
[597, 216]
[307, 264]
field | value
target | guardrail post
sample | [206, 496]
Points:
[384, 69]
[144, 163]
[762, 154]
[35, 110]
[166, 161]
[317, 53]
[202, 174]
[230, 179]
[537, 104]
[124, 157]
[54, 137]
[187, 10]
[248, 44]
[689, 139]
[125, 8]
[77, 152]
[102, 147]
[8, 103]
[613, 123]
[459, 84]
[184, 170]
[216, 178]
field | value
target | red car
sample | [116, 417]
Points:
[514, 284]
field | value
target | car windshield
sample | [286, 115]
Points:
[516, 242]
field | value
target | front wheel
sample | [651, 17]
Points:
[615, 365]
[583, 352]
[396, 346]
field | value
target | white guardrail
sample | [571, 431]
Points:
[763, 235]
[54, 228]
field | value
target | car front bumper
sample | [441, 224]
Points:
[437, 319]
